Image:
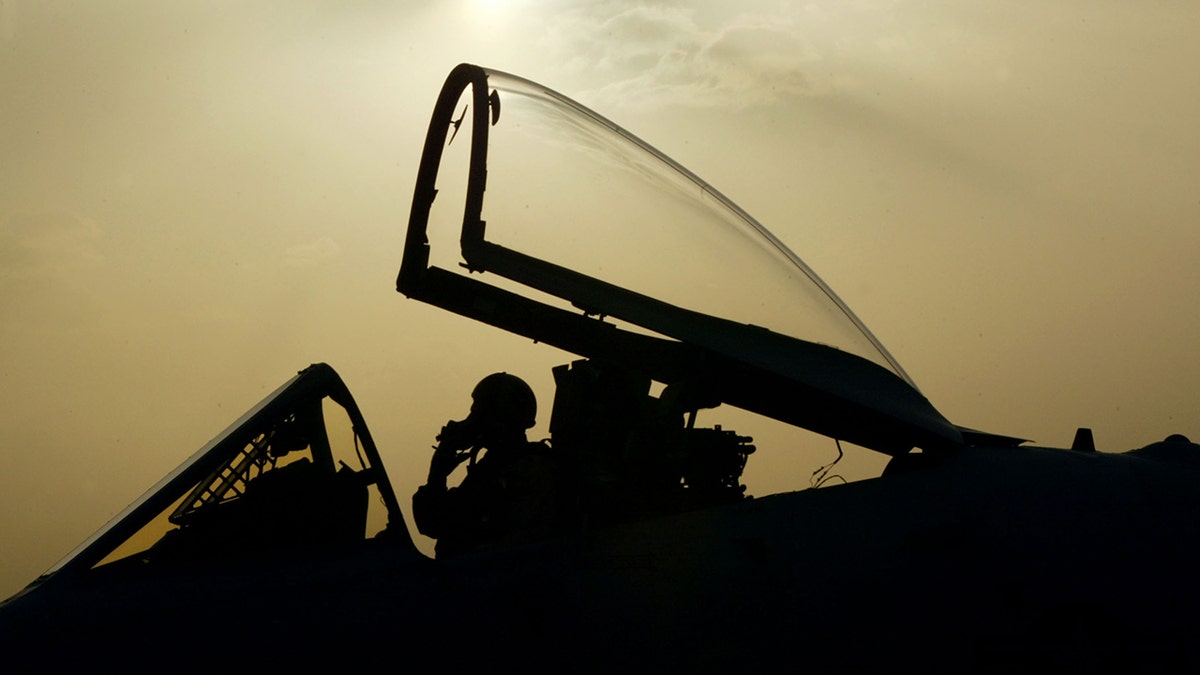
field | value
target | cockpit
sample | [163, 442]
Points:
[537, 216]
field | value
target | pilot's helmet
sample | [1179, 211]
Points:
[504, 399]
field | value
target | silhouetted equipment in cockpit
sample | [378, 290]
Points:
[633, 455]
[281, 493]
[617, 454]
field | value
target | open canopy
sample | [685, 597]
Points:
[592, 241]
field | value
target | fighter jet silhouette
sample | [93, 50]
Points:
[973, 551]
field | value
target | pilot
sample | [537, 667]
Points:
[508, 494]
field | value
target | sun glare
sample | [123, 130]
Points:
[488, 9]
[490, 12]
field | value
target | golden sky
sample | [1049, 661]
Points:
[198, 199]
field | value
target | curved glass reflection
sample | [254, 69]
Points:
[570, 187]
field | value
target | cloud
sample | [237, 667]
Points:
[651, 55]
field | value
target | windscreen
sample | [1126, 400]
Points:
[298, 472]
